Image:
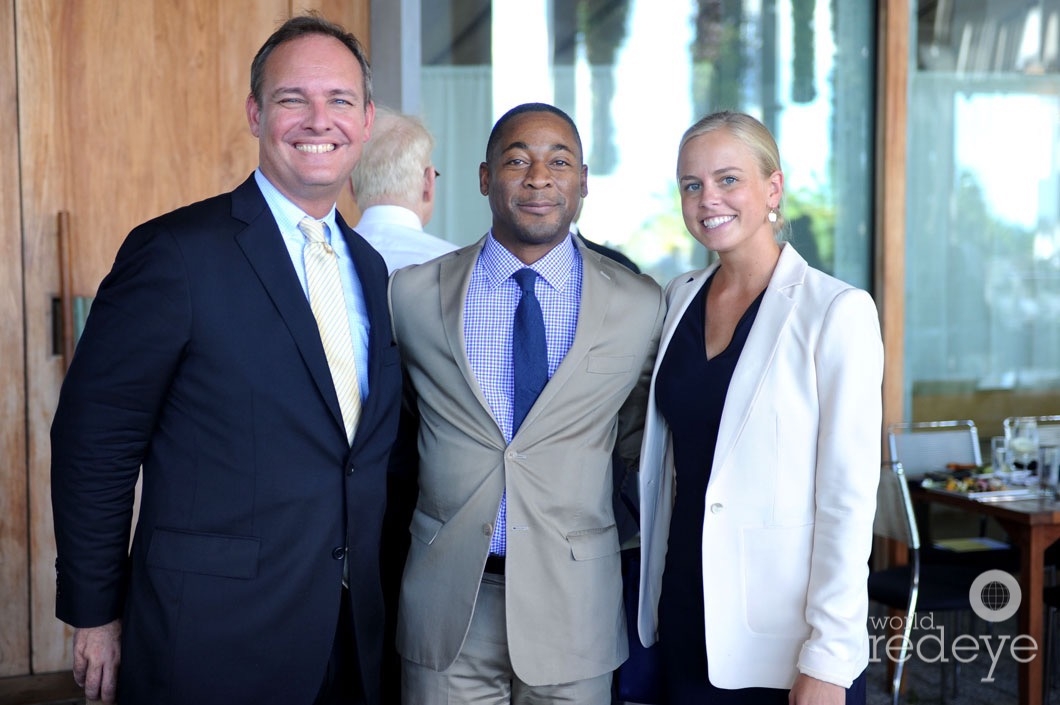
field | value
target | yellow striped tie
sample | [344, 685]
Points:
[329, 308]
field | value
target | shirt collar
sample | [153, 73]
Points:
[390, 215]
[286, 213]
[556, 267]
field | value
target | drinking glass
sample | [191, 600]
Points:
[1023, 443]
[999, 459]
[1049, 470]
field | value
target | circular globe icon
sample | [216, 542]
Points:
[995, 596]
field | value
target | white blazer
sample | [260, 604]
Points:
[787, 529]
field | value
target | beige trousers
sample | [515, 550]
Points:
[483, 674]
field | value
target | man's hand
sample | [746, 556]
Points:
[97, 655]
[811, 691]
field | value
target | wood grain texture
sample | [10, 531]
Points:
[43, 689]
[126, 110]
[14, 525]
[893, 86]
[42, 177]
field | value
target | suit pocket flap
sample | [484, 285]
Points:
[424, 527]
[588, 544]
[609, 364]
[207, 554]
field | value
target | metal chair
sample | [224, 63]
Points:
[1048, 434]
[1048, 429]
[914, 586]
[929, 446]
[1051, 597]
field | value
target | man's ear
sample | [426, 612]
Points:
[253, 116]
[429, 175]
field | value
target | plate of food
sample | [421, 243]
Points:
[983, 487]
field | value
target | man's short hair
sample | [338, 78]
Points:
[302, 26]
[495, 133]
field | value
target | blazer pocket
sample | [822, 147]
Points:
[609, 364]
[424, 527]
[205, 554]
[587, 544]
[776, 563]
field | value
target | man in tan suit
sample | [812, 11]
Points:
[512, 590]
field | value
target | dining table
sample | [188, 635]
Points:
[1032, 524]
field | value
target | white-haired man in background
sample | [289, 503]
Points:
[394, 187]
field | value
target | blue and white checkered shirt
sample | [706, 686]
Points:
[489, 310]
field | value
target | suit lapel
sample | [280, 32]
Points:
[592, 310]
[454, 278]
[679, 296]
[759, 351]
[263, 246]
[371, 272]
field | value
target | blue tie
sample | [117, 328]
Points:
[529, 372]
[529, 351]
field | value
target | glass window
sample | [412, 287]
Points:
[983, 220]
[635, 74]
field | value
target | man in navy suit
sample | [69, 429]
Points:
[202, 362]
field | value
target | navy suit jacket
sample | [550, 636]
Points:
[201, 361]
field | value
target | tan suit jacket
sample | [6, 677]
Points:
[563, 576]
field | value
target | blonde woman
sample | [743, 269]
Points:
[761, 450]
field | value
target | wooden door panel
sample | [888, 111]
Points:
[14, 527]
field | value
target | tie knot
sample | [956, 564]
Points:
[525, 278]
[312, 229]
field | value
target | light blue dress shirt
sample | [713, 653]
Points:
[489, 311]
[287, 216]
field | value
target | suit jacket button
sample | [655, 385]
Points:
[716, 508]
[349, 470]
[487, 529]
[338, 553]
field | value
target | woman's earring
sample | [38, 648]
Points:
[772, 217]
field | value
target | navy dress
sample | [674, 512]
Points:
[690, 392]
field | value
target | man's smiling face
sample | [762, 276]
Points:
[535, 180]
[312, 121]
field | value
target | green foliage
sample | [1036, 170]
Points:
[661, 246]
[817, 206]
